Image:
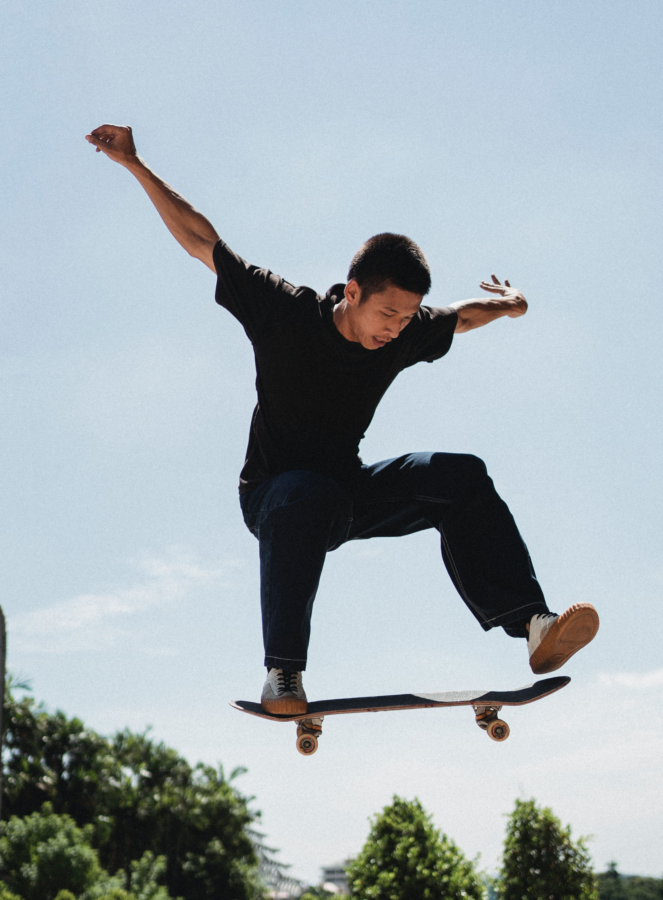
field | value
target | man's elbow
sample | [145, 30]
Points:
[202, 250]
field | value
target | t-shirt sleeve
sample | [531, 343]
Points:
[254, 296]
[433, 335]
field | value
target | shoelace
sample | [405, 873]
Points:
[287, 681]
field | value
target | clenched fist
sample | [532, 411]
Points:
[116, 141]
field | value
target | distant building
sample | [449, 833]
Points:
[285, 889]
[273, 874]
[335, 877]
[285, 894]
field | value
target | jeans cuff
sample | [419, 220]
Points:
[282, 662]
[514, 622]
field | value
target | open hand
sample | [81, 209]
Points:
[116, 141]
[519, 304]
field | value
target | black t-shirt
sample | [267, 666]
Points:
[317, 391]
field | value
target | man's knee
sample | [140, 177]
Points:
[465, 467]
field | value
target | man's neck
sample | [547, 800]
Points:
[341, 321]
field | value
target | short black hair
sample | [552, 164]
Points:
[390, 259]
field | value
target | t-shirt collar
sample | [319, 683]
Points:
[334, 295]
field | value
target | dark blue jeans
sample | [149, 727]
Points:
[298, 517]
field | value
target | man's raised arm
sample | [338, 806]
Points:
[475, 313]
[189, 227]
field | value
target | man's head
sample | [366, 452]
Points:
[387, 281]
[390, 259]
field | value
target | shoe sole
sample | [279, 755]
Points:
[286, 706]
[574, 629]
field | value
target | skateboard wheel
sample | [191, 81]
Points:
[307, 744]
[498, 730]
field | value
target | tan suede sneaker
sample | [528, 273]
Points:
[554, 639]
[283, 693]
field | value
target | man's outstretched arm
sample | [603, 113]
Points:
[475, 313]
[189, 227]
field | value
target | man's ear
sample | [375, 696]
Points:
[353, 293]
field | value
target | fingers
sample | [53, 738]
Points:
[94, 141]
[101, 137]
[496, 285]
[492, 287]
[99, 141]
[111, 129]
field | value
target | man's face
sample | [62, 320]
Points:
[381, 318]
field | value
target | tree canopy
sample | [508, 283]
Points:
[540, 860]
[613, 886]
[131, 795]
[45, 856]
[406, 858]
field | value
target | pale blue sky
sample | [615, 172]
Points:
[518, 138]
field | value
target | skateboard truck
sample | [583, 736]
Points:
[308, 732]
[486, 718]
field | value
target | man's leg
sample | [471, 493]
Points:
[297, 517]
[483, 551]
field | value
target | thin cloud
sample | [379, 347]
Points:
[98, 620]
[635, 680]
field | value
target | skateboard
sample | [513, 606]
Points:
[486, 705]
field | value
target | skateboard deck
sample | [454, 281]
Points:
[486, 705]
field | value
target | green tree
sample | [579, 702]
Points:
[43, 853]
[6, 894]
[145, 877]
[136, 795]
[540, 861]
[45, 856]
[406, 858]
[613, 886]
[316, 893]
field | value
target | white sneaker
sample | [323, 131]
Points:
[283, 693]
[554, 639]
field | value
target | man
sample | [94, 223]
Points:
[323, 365]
